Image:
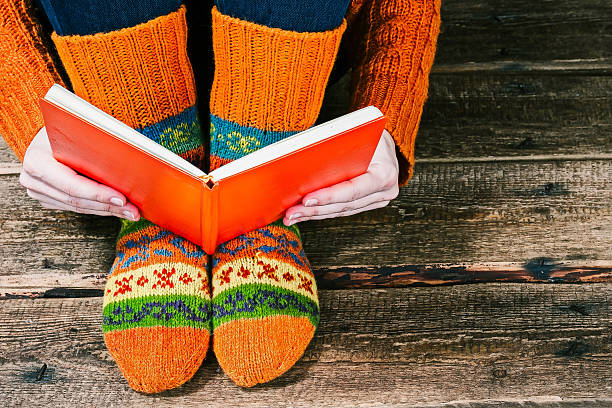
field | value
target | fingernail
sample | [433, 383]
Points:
[294, 216]
[311, 202]
[117, 201]
[129, 215]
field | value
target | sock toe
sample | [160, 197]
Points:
[156, 359]
[254, 351]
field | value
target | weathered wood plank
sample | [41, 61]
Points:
[489, 30]
[594, 66]
[373, 347]
[553, 220]
[6, 154]
[499, 98]
[519, 98]
[339, 385]
[472, 115]
[462, 139]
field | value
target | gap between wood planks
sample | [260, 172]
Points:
[592, 67]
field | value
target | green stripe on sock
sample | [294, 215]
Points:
[256, 301]
[293, 228]
[128, 227]
[168, 311]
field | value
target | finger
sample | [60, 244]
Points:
[63, 207]
[378, 178]
[94, 207]
[373, 206]
[344, 192]
[302, 211]
[38, 189]
[65, 179]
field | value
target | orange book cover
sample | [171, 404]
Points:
[209, 209]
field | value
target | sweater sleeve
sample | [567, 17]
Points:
[26, 73]
[394, 42]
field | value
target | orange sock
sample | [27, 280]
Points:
[269, 84]
[156, 315]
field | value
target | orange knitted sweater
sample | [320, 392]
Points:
[391, 45]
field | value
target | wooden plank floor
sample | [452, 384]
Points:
[374, 347]
[512, 197]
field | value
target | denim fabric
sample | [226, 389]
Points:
[82, 17]
[294, 15]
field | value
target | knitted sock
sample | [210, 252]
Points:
[156, 313]
[268, 84]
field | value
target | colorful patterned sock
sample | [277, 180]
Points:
[156, 313]
[268, 84]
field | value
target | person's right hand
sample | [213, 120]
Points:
[59, 187]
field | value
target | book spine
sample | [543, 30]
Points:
[209, 211]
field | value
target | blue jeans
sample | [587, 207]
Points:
[82, 17]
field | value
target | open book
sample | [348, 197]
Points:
[208, 209]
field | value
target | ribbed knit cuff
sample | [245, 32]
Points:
[270, 78]
[26, 72]
[143, 72]
[394, 73]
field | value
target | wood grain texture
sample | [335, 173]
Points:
[520, 98]
[489, 30]
[547, 220]
[592, 67]
[7, 157]
[472, 115]
[373, 347]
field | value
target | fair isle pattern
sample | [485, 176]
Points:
[275, 241]
[280, 261]
[171, 310]
[194, 311]
[255, 300]
[265, 272]
[142, 241]
[180, 134]
[265, 304]
[230, 141]
[156, 314]
[156, 279]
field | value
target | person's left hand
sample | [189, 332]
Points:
[371, 190]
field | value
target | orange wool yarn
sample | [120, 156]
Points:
[393, 70]
[152, 94]
[288, 72]
[272, 339]
[155, 359]
[26, 71]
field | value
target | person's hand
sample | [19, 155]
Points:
[57, 186]
[371, 190]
